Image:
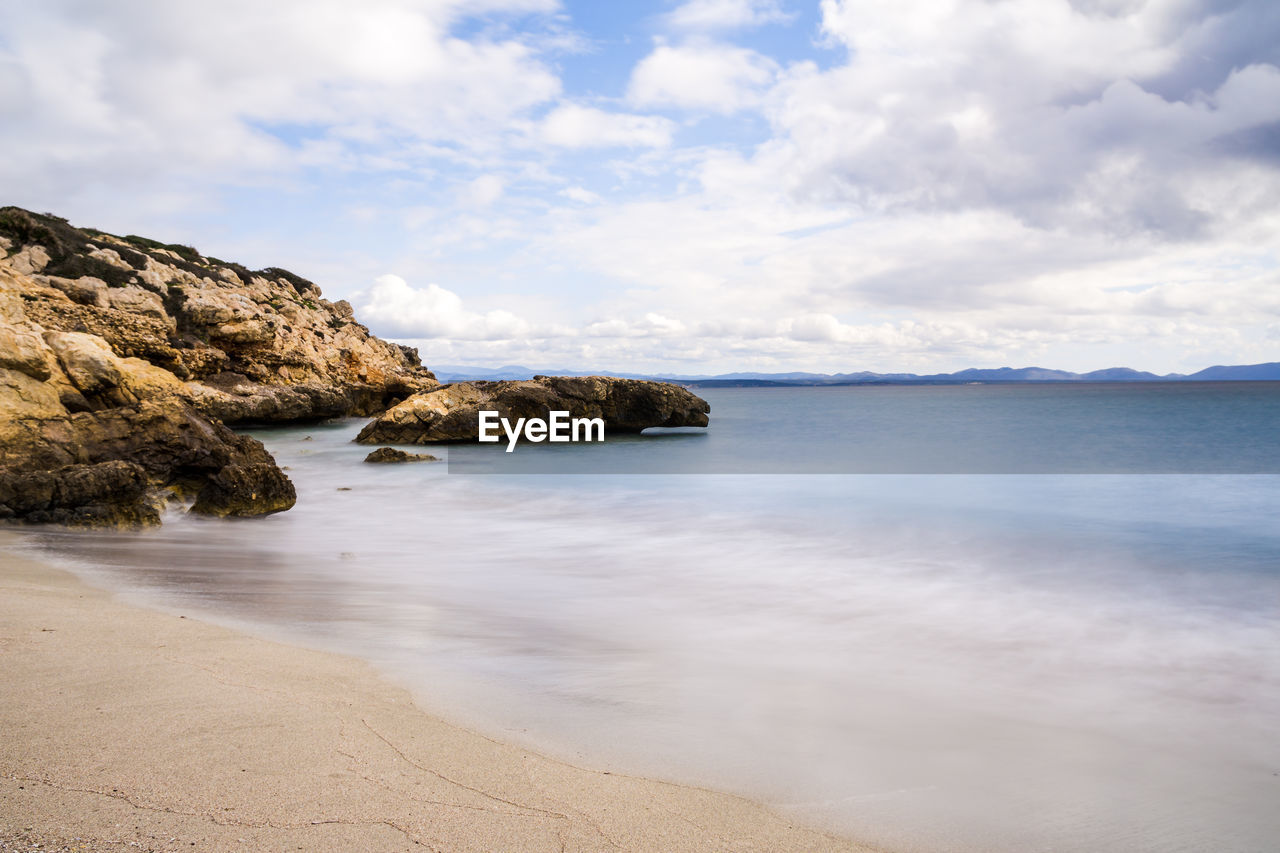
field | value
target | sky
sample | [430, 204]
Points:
[692, 186]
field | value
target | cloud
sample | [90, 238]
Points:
[815, 327]
[582, 195]
[825, 343]
[483, 191]
[749, 270]
[436, 320]
[185, 95]
[394, 309]
[649, 325]
[944, 183]
[1066, 115]
[701, 75]
[573, 126]
[725, 14]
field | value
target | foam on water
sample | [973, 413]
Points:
[978, 663]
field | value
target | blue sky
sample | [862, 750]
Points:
[692, 186]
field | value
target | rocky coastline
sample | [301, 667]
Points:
[123, 361]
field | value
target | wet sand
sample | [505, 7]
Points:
[126, 728]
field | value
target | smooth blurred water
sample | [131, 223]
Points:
[972, 662]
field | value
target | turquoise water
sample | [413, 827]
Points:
[938, 657]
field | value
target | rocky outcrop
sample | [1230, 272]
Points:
[119, 465]
[384, 455]
[451, 413]
[120, 359]
[106, 493]
[243, 346]
[88, 437]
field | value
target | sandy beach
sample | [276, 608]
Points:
[127, 728]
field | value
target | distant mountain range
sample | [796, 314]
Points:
[1221, 373]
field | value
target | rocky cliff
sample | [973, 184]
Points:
[121, 359]
[452, 413]
[247, 346]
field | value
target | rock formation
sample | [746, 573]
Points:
[118, 465]
[451, 413]
[245, 346]
[385, 455]
[119, 357]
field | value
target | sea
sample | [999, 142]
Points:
[932, 618]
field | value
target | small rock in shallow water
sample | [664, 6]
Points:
[390, 454]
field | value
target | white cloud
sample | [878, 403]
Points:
[574, 126]
[749, 270]
[815, 327]
[726, 14]
[1067, 115]
[483, 191]
[582, 195]
[962, 182]
[149, 95]
[649, 325]
[701, 75]
[394, 309]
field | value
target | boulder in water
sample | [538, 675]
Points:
[451, 413]
[390, 454]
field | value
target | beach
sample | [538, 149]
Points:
[127, 728]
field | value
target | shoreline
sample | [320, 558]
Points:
[162, 732]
